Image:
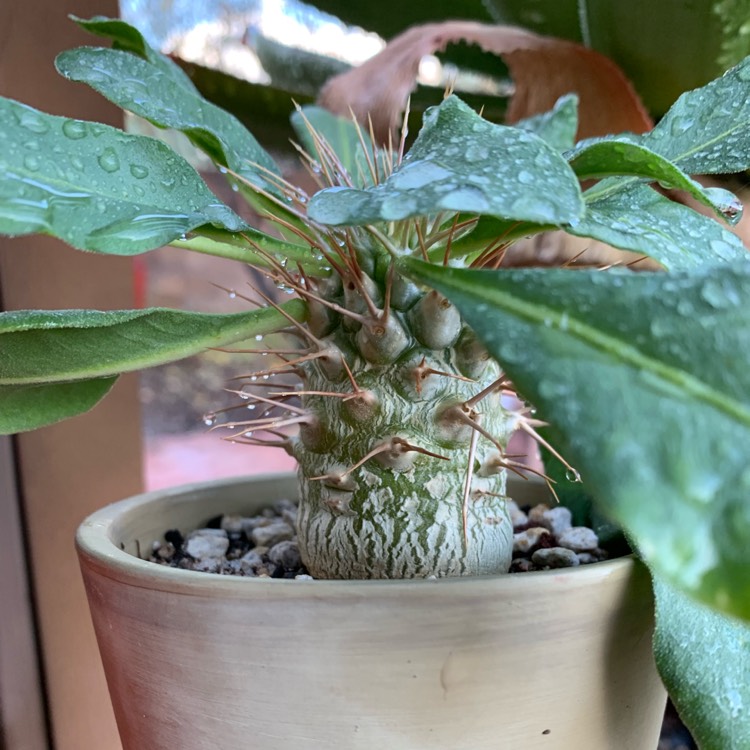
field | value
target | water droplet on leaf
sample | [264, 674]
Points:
[74, 129]
[109, 161]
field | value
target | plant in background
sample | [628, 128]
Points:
[409, 334]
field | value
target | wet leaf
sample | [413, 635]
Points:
[27, 407]
[644, 380]
[644, 221]
[41, 346]
[707, 130]
[147, 91]
[127, 38]
[461, 162]
[96, 187]
[558, 126]
[703, 658]
[618, 155]
[543, 69]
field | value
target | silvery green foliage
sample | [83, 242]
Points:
[401, 437]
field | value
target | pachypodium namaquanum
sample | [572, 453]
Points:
[390, 403]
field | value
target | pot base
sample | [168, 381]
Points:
[557, 659]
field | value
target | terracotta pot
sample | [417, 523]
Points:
[198, 661]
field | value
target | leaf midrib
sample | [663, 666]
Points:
[627, 353]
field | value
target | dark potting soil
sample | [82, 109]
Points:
[265, 545]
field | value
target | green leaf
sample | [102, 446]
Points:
[350, 143]
[255, 248]
[27, 407]
[644, 378]
[707, 131]
[96, 187]
[461, 162]
[147, 91]
[127, 38]
[644, 221]
[558, 126]
[703, 658]
[604, 157]
[41, 346]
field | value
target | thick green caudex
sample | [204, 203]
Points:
[407, 334]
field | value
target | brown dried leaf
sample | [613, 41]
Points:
[542, 68]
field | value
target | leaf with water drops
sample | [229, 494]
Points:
[707, 131]
[96, 187]
[619, 155]
[41, 346]
[644, 221]
[703, 658]
[644, 380]
[147, 91]
[463, 163]
[27, 407]
[558, 126]
[128, 38]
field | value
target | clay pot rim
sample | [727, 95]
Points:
[95, 545]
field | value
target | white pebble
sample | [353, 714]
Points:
[276, 532]
[206, 544]
[517, 516]
[536, 515]
[578, 539]
[557, 519]
[525, 541]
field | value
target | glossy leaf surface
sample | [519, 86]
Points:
[461, 162]
[644, 379]
[638, 218]
[96, 187]
[704, 660]
[42, 346]
[558, 126]
[147, 91]
[619, 156]
[27, 407]
[707, 130]
[128, 38]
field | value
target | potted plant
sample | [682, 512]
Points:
[404, 324]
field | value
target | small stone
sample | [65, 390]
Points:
[166, 551]
[250, 523]
[524, 542]
[555, 557]
[578, 539]
[289, 515]
[522, 565]
[303, 577]
[586, 558]
[250, 562]
[557, 519]
[206, 544]
[536, 515]
[208, 565]
[284, 504]
[232, 524]
[517, 516]
[276, 532]
[286, 554]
